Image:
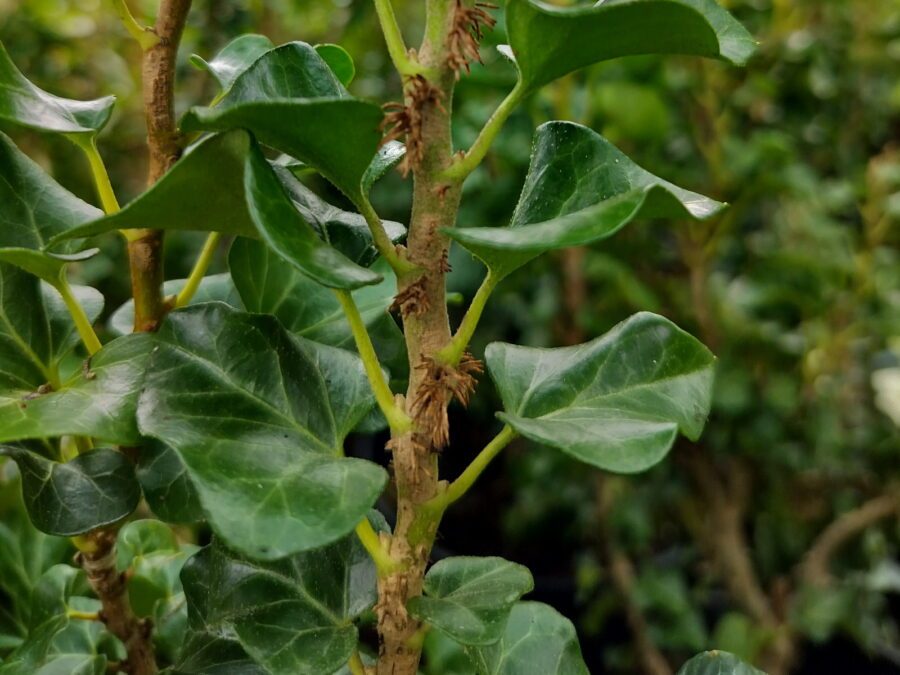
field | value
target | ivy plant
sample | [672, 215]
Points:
[227, 399]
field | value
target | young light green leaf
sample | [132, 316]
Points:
[251, 202]
[25, 104]
[291, 101]
[469, 598]
[339, 60]
[537, 640]
[215, 287]
[292, 616]
[234, 58]
[268, 285]
[97, 401]
[226, 388]
[549, 41]
[579, 189]
[717, 663]
[617, 402]
[94, 489]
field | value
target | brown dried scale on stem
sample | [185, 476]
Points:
[441, 384]
[466, 34]
[403, 121]
[412, 300]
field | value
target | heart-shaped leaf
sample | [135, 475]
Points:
[98, 401]
[268, 285]
[537, 640]
[225, 389]
[291, 100]
[24, 104]
[251, 202]
[54, 644]
[34, 208]
[579, 189]
[617, 402]
[470, 598]
[292, 616]
[717, 663]
[548, 41]
[94, 489]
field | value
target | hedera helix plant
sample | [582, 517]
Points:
[227, 398]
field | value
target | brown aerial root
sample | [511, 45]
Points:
[412, 300]
[404, 121]
[440, 384]
[466, 34]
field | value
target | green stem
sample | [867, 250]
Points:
[382, 241]
[461, 485]
[84, 616]
[397, 419]
[452, 353]
[101, 178]
[462, 167]
[368, 537]
[394, 38]
[82, 322]
[199, 271]
[145, 37]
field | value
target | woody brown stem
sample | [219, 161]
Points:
[427, 330]
[98, 552]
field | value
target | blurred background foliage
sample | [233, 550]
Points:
[773, 537]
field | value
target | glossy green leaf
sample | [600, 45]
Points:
[291, 101]
[234, 58]
[617, 402]
[579, 189]
[537, 640]
[548, 41]
[268, 285]
[251, 202]
[54, 644]
[33, 209]
[167, 487]
[226, 389]
[292, 616]
[717, 663]
[36, 333]
[470, 598]
[24, 104]
[98, 400]
[339, 60]
[215, 287]
[94, 489]
[388, 156]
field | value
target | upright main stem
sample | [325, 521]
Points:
[427, 331]
[97, 551]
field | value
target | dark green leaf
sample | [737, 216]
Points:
[166, 484]
[549, 41]
[292, 616]
[617, 402]
[268, 285]
[24, 104]
[213, 287]
[387, 157]
[717, 663]
[97, 401]
[226, 389]
[579, 189]
[290, 99]
[538, 640]
[234, 58]
[470, 598]
[340, 62]
[94, 489]
[251, 202]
